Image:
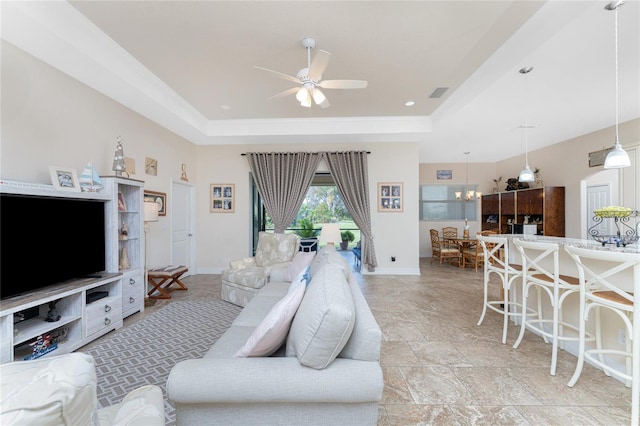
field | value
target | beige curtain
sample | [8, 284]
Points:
[350, 173]
[283, 179]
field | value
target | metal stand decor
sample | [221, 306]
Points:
[625, 234]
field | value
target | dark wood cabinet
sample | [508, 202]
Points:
[543, 207]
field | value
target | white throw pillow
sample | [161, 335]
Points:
[299, 264]
[272, 331]
[324, 322]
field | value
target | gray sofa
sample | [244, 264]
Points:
[327, 372]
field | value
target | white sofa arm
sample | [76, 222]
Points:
[246, 262]
[143, 406]
[273, 380]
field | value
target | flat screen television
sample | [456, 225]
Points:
[48, 240]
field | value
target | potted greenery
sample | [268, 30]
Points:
[308, 235]
[347, 237]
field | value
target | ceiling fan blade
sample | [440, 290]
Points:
[279, 74]
[343, 84]
[319, 64]
[284, 93]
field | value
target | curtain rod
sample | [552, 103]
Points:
[333, 152]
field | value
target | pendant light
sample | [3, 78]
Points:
[526, 175]
[617, 158]
[468, 194]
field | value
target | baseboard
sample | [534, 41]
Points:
[390, 271]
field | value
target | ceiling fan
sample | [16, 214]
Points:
[311, 79]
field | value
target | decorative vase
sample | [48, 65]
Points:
[124, 259]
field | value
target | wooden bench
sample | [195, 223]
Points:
[162, 278]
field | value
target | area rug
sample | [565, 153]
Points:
[144, 352]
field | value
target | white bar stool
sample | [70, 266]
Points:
[597, 269]
[496, 261]
[540, 262]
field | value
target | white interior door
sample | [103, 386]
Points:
[182, 226]
[598, 196]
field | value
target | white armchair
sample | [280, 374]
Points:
[246, 276]
[61, 390]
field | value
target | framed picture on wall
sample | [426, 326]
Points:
[158, 197]
[390, 197]
[222, 198]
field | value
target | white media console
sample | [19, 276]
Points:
[89, 307]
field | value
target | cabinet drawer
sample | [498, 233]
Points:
[103, 314]
[132, 294]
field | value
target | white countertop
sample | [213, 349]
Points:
[590, 244]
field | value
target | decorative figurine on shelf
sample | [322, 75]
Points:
[124, 259]
[496, 182]
[184, 173]
[526, 219]
[124, 232]
[537, 177]
[119, 165]
[52, 315]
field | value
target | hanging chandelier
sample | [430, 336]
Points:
[468, 193]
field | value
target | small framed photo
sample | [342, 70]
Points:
[222, 198]
[390, 197]
[122, 205]
[64, 179]
[444, 174]
[158, 197]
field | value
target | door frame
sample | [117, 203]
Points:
[192, 224]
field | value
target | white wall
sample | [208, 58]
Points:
[223, 237]
[48, 118]
[481, 174]
[567, 164]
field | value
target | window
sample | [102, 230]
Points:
[438, 202]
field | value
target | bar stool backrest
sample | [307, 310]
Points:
[496, 252]
[534, 253]
[596, 267]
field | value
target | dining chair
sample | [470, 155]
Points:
[541, 272]
[473, 254]
[443, 250]
[449, 232]
[496, 261]
[610, 280]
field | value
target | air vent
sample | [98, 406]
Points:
[438, 92]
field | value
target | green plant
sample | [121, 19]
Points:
[307, 230]
[347, 236]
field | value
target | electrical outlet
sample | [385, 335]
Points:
[393, 258]
[622, 338]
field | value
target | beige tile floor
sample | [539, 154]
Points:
[440, 368]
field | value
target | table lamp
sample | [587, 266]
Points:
[330, 234]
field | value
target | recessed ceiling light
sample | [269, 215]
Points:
[225, 107]
[409, 103]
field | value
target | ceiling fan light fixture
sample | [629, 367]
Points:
[306, 102]
[302, 94]
[318, 96]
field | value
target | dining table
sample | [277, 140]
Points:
[464, 243]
